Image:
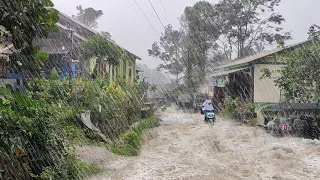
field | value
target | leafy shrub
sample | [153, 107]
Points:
[42, 125]
[32, 138]
[145, 124]
[230, 106]
[131, 141]
[54, 74]
[71, 168]
[239, 111]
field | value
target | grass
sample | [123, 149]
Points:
[131, 141]
[71, 168]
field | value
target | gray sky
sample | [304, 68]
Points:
[130, 29]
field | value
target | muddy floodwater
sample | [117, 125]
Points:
[184, 147]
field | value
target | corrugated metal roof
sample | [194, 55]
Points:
[52, 46]
[225, 72]
[92, 30]
[260, 55]
[252, 58]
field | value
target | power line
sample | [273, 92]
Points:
[163, 8]
[156, 13]
[146, 18]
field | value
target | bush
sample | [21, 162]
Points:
[131, 141]
[71, 168]
[230, 107]
[39, 128]
[240, 111]
[146, 124]
[33, 139]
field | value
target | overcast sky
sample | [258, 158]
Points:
[131, 30]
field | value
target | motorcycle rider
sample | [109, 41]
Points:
[207, 107]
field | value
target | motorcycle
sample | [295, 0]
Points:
[209, 115]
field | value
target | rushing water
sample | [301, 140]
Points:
[184, 147]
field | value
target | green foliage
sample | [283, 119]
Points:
[230, 106]
[239, 111]
[131, 141]
[213, 34]
[72, 168]
[26, 21]
[146, 124]
[46, 119]
[98, 46]
[32, 136]
[294, 81]
[200, 38]
[54, 74]
[103, 51]
[170, 51]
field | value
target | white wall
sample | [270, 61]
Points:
[4, 82]
[265, 90]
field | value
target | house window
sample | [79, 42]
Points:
[130, 75]
[124, 69]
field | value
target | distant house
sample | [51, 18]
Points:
[242, 78]
[63, 55]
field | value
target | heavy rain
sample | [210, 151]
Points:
[159, 89]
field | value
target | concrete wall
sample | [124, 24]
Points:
[4, 82]
[265, 90]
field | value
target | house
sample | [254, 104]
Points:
[242, 78]
[63, 54]
[7, 78]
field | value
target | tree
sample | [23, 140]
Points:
[22, 22]
[170, 51]
[314, 32]
[103, 50]
[200, 38]
[245, 23]
[88, 16]
[107, 35]
[294, 81]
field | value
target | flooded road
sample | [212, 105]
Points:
[184, 147]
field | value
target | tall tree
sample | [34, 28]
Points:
[246, 23]
[200, 37]
[103, 50]
[170, 51]
[314, 32]
[88, 16]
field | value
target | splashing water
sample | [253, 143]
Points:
[184, 147]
